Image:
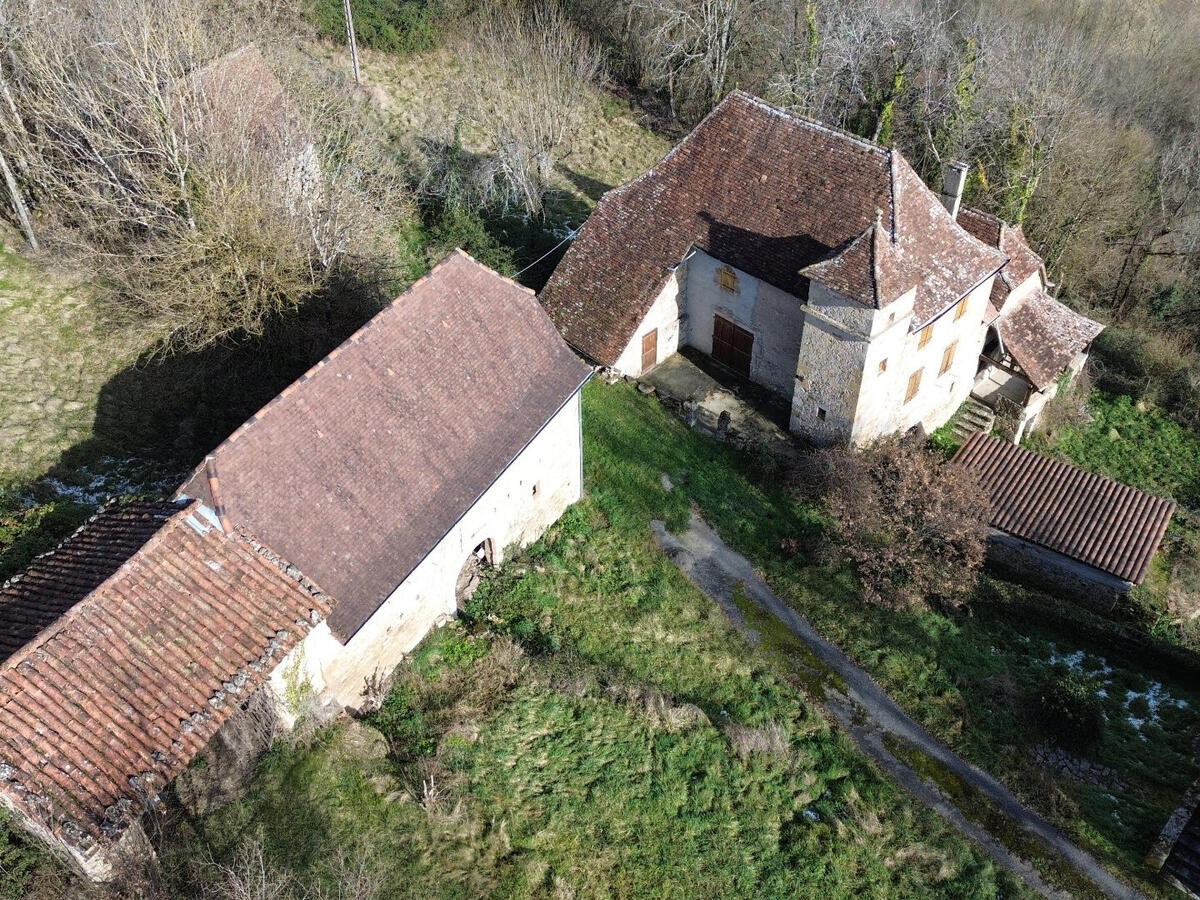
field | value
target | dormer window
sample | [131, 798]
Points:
[727, 279]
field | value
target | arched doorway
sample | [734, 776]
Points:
[471, 572]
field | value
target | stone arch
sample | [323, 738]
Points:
[480, 558]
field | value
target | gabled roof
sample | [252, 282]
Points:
[1044, 335]
[54, 582]
[1095, 520]
[359, 468]
[1023, 262]
[770, 193]
[111, 700]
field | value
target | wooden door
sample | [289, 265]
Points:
[732, 346]
[649, 349]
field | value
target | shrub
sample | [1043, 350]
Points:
[401, 720]
[911, 526]
[398, 26]
[21, 859]
[1069, 710]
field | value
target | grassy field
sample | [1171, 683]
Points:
[417, 95]
[596, 726]
[57, 354]
[1132, 442]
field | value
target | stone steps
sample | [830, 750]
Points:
[973, 416]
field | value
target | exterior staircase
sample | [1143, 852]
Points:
[974, 415]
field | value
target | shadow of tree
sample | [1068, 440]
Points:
[591, 188]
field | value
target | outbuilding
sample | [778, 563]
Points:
[1057, 525]
[297, 565]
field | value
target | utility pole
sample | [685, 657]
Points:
[353, 41]
[18, 202]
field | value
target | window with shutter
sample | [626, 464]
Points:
[926, 336]
[960, 309]
[948, 359]
[727, 279]
[914, 385]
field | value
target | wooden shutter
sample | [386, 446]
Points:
[960, 309]
[948, 359]
[649, 349]
[727, 279]
[914, 385]
[926, 336]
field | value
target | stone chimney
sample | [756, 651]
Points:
[953, 183]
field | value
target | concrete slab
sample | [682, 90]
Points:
[711, 407]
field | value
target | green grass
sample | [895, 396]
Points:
[1134, 443]
[603, 753]
[591, 727]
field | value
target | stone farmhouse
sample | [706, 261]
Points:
[821, 267]
[1060, 527]
[306, 556]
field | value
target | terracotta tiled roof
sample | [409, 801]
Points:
[357, 470]
[112, 700]
[1044, 335]
[918, 245]
[56, 581]
[241, 91]
[1090, 518]
[1023, 262]
[769, 193]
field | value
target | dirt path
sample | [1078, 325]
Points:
[873, 720]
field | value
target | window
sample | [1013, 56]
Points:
[820, 414]
[537, 488]
[961, 309]
[883, 365]
[727, 279]
[926, 336]
[947, 359]
[914, 385]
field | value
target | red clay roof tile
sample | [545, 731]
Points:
[1103, 523]
[767, 192]
[156, 625]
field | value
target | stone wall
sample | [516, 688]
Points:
[773, 316]
[855, 365]
[1039, 567]
[829, 372]
[528, 497]
[665, 314]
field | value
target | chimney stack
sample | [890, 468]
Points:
[953, 183]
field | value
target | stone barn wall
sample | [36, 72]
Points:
[1039, 567]
[525, 500]
[666, 314]
[773, 316]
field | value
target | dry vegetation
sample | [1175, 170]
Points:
[911, 527]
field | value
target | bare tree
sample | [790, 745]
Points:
[207, 195]
[528, 83]
[691, 47]
[910, 525]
